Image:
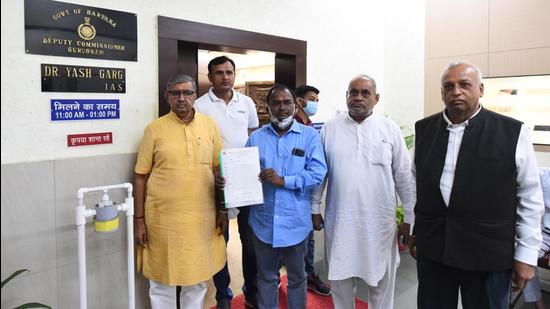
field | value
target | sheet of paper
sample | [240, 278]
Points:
[240, 167]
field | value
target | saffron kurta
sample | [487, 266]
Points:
[368, 163]
[183, 246]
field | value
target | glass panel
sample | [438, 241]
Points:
[525, 98]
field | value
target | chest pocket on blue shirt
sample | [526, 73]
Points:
[295, 164]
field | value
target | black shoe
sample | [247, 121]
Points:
[223, 304]
[315, 284]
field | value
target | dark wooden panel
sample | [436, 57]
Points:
[168, 57]
[224, 49]
[301, 69]
[285, 70]
[188, 59]
[184, 30]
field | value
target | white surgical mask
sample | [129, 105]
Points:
[284, 123]
[311, 108]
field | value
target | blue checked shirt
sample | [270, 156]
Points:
[284, 219]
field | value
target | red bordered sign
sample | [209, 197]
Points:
[89, 139]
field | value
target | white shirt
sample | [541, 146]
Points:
[234, 118]
[368, 164]
[529, 194]
[545, 184]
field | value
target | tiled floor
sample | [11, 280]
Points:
[405, 285]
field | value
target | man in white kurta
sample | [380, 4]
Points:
[368, 165]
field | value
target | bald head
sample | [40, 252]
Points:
[364, 77]
[465, 66]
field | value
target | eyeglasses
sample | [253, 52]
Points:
[178, 93]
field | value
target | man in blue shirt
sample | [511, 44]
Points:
[293, 163]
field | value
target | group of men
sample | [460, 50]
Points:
[476, 212]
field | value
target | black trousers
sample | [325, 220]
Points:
[438, 287]
[250, 287]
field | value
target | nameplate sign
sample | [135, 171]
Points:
[72, 78]
[89, 139]
[84, 109]
[73, 30]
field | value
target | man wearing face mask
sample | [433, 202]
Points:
[292, 163]
[307, 99]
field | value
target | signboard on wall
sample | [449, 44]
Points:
[84, 109]
[72, 30]
[73, 78]
[89, 139]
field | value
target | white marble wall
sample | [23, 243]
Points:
[39, 233]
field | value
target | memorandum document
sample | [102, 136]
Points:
[241, 169]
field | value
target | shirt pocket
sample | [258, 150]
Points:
[296, 164]
[204, 151]
[380, 153]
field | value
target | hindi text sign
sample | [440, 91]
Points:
[84, 109]
[89, 139]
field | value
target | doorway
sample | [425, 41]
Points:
[254, 76]
[180, 41]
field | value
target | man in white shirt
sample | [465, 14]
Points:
[479, 200]
[235, 114]
[368, 166]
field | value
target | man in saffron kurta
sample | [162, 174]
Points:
[176, 221]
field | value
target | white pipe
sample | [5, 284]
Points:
[80, 219]
[82, 265]
[130, 231]
[81, 214]
[126, 185]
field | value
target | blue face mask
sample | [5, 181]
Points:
[311, 108]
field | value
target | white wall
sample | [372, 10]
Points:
[344, 38]
[403, 93]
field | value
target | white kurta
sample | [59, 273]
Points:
[367, 164]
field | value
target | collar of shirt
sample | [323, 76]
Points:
[214, 98]
[299, 119]
[295, 127]
[364, 122]
[176, 118]
[451, 125]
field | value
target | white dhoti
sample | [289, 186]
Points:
[379, 297]
[164, 297]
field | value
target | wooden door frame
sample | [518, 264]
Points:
[179, 41]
